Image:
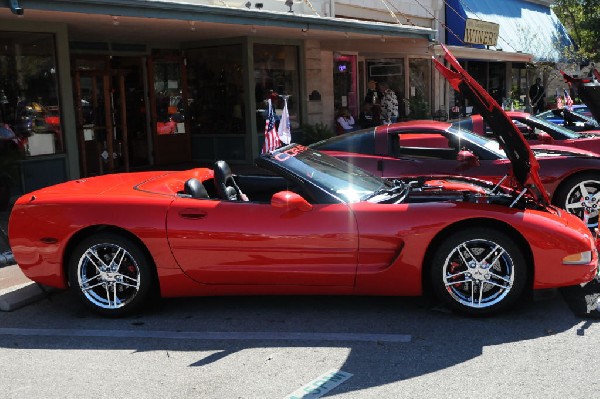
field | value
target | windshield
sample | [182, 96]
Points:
[567, 133]
[467, 138]
[341, 179]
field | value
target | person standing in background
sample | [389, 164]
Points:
[389, 104]
[537, 96]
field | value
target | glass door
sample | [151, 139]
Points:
[171, 132]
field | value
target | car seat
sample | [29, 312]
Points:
[227, 188]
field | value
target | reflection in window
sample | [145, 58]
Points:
[420, 88]
[392, 72]
[29, 93]
[216, 90]
[275, 75]
[170, 107]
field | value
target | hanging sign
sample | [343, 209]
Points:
[481, 32]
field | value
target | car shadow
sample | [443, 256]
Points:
[439, 339]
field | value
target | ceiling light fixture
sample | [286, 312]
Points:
[290, 4]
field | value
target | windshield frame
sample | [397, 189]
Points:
[566, 133]
[340, 179]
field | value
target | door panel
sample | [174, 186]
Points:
[223, 242]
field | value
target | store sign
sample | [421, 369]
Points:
[481, 32]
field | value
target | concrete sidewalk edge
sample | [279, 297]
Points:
[18, 296]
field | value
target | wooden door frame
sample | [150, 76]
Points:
[107, 75]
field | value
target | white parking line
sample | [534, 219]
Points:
[320, 385]
[213, 336]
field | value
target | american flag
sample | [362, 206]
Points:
[568, 100]
[271, 137]
[559, 100]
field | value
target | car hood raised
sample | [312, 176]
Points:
[588, 90]
[524, 165]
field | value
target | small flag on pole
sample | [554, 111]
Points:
[271, 137]
[568, 100]
[559, 100]
[285, 133]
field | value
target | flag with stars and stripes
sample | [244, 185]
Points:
[568, 100]
[559, 100]
[272, 141]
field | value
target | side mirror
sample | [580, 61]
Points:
[545, 138]
[467, 157]
[290, 201]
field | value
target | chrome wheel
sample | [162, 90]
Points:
[479, 270]
[478, 273]
[112, 274]
[583, 200]
[108, 276]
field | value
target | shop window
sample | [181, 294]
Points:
[216, 90]
[276, 75]
[168, 91]
[29, 92]
[419, 99]
[392, 72]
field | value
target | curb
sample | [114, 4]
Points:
[20, 295]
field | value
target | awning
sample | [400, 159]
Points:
[482, 54]
[525, 27]
[197, 12]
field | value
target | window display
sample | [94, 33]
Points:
[275, 76]
[29, 102]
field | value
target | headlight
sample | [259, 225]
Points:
[581, 258]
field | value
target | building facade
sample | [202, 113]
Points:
[95, 87]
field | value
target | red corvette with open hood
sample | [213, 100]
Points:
[566, 177]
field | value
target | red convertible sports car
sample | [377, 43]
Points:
[314, 225]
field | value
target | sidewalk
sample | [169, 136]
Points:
[16, 290]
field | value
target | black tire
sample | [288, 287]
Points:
[580, 195]
[111, 274]
[458, 278]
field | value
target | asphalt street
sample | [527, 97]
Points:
[279, 347]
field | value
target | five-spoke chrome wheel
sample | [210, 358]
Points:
[582, 199]
[478, 271]
[110, 273]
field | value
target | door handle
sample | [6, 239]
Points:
[192, 214]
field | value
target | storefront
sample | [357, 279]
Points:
[495, 42]
[126, 85]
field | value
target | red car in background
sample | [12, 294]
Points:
[538, 131]
[570, 178]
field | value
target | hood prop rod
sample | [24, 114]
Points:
[518, 197]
